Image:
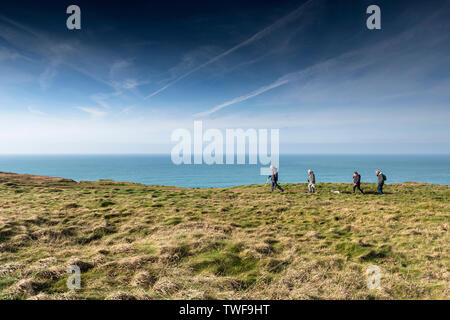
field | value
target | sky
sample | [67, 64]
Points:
[138, 70]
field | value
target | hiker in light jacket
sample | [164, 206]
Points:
[311, 181]
[274, 178]
[381, 177]
[357, 182]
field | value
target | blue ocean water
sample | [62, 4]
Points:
[159, 169]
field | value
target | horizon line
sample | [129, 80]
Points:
[192, 154]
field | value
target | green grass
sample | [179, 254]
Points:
[157, 242]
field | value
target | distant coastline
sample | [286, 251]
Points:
[159, 169]
[8, 176]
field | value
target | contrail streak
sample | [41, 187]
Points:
[257, 36]
[255, 93]
[293, 76]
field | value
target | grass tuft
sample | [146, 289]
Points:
[133, 241]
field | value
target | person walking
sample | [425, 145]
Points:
[311, 181]
[274, 178]
[357, 182]
[381, 178]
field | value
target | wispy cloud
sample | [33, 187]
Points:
[122, 76]
[34, 111]
[51, 54]
[100, 99]
[46, 77]
[92, 111]
[54, 53]
[130, 83]
[290, 77]
[6, 54]
[127, 110]
[257, 36]
[347, 64]
[255, 93]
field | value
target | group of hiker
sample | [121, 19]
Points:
[381, 177]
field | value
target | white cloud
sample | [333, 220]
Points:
[92, 111]
[127, 110]
[255, 93]
[46, 77]
[6, 54]
[34, 111]
[100, 99]
[130, 83]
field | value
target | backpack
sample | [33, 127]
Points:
[384, 177]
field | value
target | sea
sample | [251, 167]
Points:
[160, 170]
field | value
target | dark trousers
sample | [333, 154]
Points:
[380, 188]
[275, 184]
[357, 186]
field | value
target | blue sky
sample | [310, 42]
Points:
[138, 70]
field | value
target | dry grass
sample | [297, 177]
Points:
[150, 242]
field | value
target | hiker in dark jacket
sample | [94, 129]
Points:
[357, 182]
[311, 181]
[381, 177]
[274, 178]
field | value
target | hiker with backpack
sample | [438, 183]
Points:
[274, 178]
[381, 179]
[311, 181]
[357, 182]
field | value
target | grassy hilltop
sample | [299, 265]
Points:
[154, 242]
